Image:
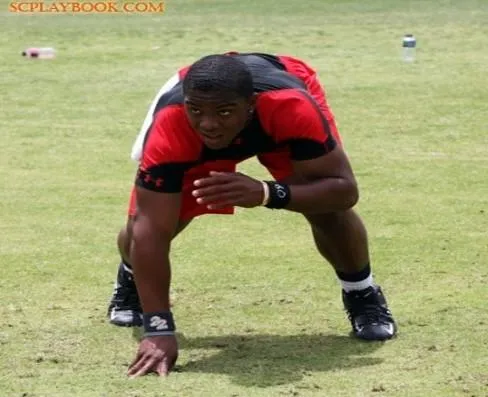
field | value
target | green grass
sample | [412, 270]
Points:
[258, 311]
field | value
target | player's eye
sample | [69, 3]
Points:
[195, 111]
[225, 112]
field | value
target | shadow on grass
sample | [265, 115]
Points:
[269, 360]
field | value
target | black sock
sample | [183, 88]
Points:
[356, 281]
[357, 276]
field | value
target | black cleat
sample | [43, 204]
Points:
[125, 308]
[369, 314]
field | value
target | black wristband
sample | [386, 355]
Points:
[158, 323]
[279, 195]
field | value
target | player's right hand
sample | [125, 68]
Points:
[155, 354]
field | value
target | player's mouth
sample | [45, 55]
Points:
[212, 140]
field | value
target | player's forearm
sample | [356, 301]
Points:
[152, 272]
[324, 195]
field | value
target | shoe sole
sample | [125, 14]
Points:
[124, 324]
[135, 322]
[353, 335]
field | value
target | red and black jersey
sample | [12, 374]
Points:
[287, 115]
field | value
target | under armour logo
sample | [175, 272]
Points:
[158, 323]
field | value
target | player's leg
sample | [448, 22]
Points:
[341, 238]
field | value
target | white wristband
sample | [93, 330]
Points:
[265, 193]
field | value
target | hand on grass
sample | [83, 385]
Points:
[155, 354]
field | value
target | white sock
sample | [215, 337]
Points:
[357, 285]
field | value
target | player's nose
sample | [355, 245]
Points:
[208, 124]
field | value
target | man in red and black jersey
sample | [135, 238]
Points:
[221, 110]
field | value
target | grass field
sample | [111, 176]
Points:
[258, 311]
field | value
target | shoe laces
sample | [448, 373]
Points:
[367, 309]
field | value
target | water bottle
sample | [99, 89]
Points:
[39, 52]
[409, 44]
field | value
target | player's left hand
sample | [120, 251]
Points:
[228, 189]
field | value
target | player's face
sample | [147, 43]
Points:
[217, 119]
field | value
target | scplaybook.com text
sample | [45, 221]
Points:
[86, 7]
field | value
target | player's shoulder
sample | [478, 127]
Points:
[172, 136]
[173, 113]
[173, 123]
[282, 102]
[170, 119]
[290, 114]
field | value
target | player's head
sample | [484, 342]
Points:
[219, 98]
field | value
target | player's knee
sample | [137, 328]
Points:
[329, 221]
[333, 222]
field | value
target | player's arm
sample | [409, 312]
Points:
[158, 195]
[322, 180]
[323, 184]
[153, 229]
